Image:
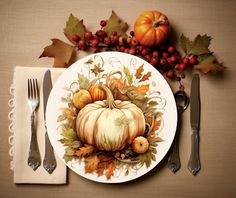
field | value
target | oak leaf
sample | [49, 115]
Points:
[110, 169]
[115, 24]
[60, 51]
[91, 163]
[104, 160]
[86, 150]
[74, 26]
[139, 72]
[145, 77]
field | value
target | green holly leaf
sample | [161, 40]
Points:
[115, 24]
[74, 26]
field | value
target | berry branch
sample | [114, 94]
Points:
[157, 50]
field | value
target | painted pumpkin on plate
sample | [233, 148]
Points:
[110, 124]
[151, 28]
[97, 93]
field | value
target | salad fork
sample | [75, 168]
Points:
[34, 158]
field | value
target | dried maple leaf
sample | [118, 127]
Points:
[143, 89]
[145, 77]
[185, 43]
[91, 163]
[213, 67]
[209, 64]
[86, 150]
[104, 160]
[60, 51]
[74, 26]
[110, 169]
[198, 46]
[97, 69]
[139, 71]
[115, 24]
[155, 125]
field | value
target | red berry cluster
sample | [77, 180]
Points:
[164, 58]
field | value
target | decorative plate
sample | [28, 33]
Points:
[111, 117]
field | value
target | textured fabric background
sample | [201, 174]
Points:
[27, 26]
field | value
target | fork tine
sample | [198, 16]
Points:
[36, 88]
[28, 88]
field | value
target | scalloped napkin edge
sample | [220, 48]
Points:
[20, 129]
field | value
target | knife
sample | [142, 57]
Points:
[49, 162]
[194, 161]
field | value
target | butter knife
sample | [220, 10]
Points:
[49, 162]
[194, 161]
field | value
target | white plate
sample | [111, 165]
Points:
[111, 61]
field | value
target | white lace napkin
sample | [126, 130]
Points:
[20, 128]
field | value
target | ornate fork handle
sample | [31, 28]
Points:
[34, 158]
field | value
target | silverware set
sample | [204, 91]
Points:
[182, 101]
[34, 157]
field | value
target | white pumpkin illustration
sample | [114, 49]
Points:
[110, 124]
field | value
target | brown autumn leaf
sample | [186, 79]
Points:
[213, 67]
[141, 88]
[104, 160]
[209, 63]
[145, 77]
[60, 51]
[110, 169]
[139, 71]
[86, 150]
[91, 163]
[155, 127]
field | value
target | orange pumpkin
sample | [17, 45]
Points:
[97, 93]
[151, 28]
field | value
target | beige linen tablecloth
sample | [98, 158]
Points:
[26, 27]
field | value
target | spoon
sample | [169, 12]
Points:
[182, 102]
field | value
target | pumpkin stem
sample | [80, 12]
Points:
[160, 21]
[110, 98]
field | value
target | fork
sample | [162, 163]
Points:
[34, 158]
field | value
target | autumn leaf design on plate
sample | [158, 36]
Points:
[102, 133]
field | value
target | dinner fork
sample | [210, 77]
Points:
[34, 158]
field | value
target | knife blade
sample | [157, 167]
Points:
[194, 161]
[49, 162]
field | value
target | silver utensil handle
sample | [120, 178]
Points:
[49, 162]
[173, 162]
[194, 161]
[34, 158]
